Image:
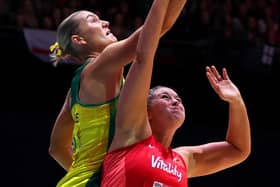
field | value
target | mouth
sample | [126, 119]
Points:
[175, 108]
[108, 32]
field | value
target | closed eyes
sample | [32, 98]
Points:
[93, 18]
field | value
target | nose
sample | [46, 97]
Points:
[105, 24]
[175, 102]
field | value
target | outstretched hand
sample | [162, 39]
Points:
[222, 85]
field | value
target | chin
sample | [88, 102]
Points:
[113, 40]
[112, 37]
[177, 120]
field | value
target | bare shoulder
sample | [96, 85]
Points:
[188, 153]
[185, 152]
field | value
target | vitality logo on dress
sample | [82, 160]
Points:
[169, 168]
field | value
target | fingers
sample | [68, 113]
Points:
[215, 75]
[225, 74]
[211, 78]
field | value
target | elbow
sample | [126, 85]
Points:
[244, 153]
[246, 150]
[52, 151]
[239, 157]
[242, 158]
[240, 153]
[63, 160]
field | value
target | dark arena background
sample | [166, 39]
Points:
[241, 35]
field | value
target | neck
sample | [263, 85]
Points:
[93, 55]
[164, 139]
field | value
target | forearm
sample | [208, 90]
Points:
[60, 147]
[125, 50]
[61, 137]
[175, 8]
[150, 36]
[238, 133]
[63, 156]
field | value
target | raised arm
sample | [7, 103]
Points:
[61, 137]
[175, 8]
[125, 50]
[216, 156]
[131, 120]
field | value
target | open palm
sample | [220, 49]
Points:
[222, 85]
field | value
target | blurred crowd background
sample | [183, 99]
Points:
[242, 35]
[227, 27]
[254, 20]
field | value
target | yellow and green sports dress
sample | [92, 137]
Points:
[92, 135]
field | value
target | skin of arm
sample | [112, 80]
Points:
[125, 50]
[61, 137]
[137, 84]
[216, 156]
[174, 9]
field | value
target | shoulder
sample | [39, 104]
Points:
[188, 154]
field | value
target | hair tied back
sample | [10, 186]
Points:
[56, 50]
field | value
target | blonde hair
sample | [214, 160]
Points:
[63, 48]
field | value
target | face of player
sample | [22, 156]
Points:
[95, 31]
[166, 108]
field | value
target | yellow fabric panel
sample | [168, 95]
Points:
[90, 143]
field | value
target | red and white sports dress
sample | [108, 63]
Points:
[144, 164]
